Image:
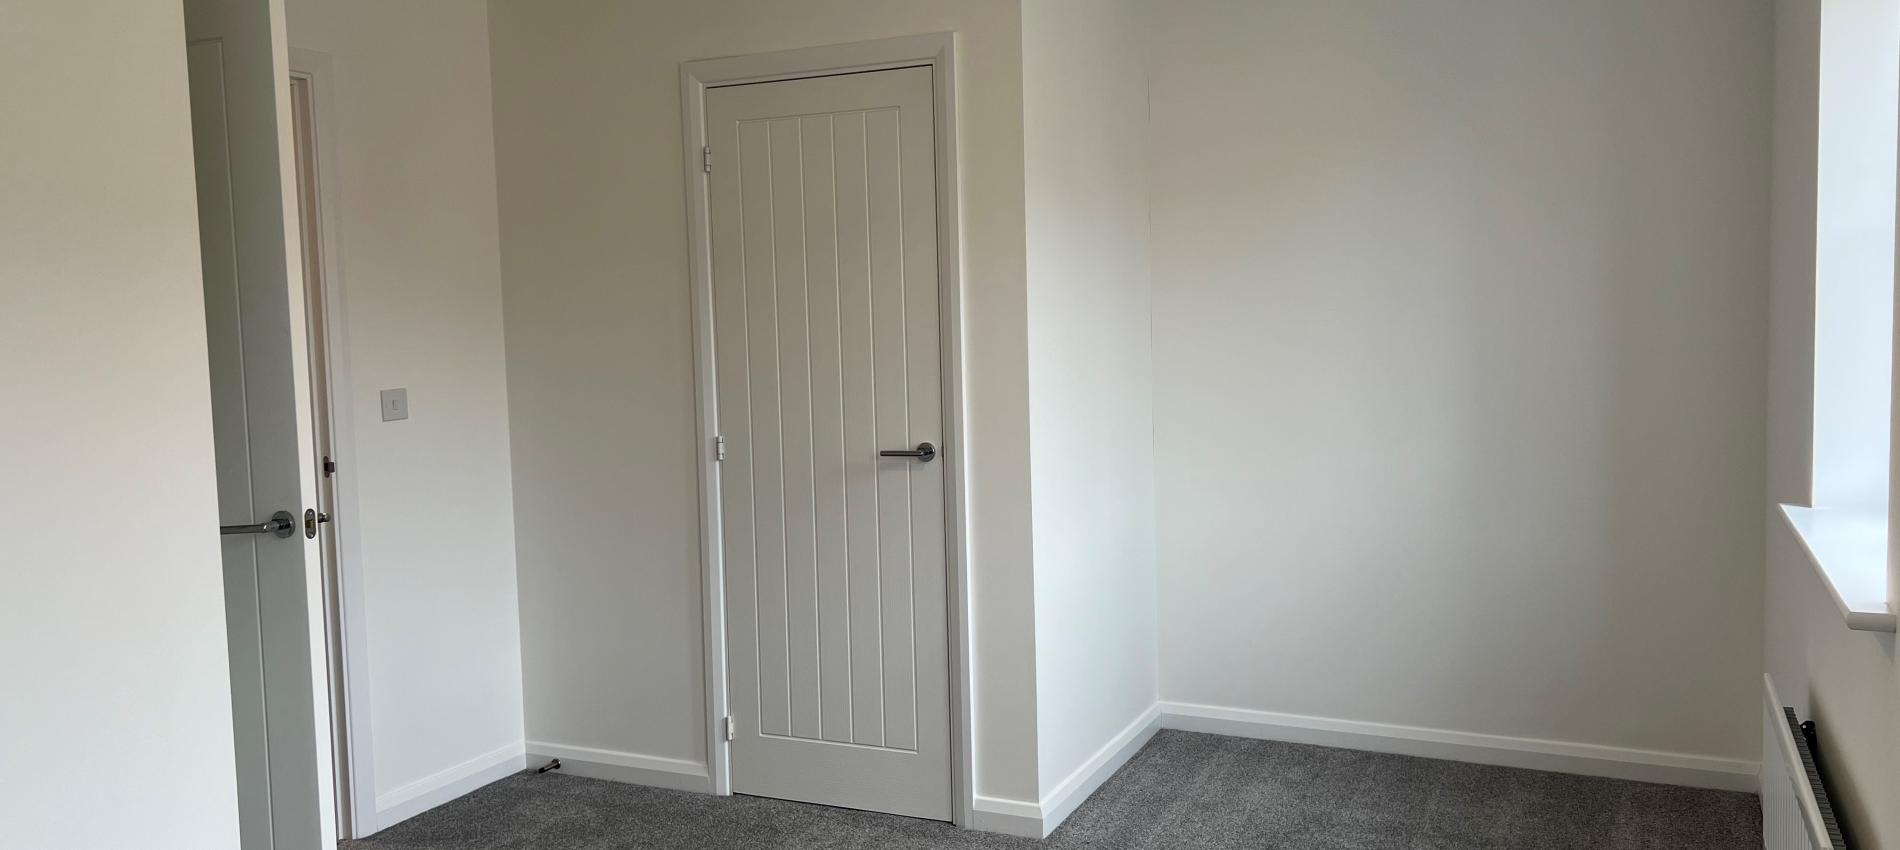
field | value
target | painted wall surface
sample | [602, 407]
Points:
[113, 613]
[1846, 681]
[1460, 317]
[421, 274]
[600, 357]
[1086, 164]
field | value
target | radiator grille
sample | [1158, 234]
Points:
[1795, 812]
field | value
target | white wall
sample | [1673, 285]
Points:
[1460, 320]
[1086, 162]
[1846, 681]
[118, 706]
[600, 364]
[421, 270]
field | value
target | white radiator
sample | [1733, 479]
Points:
[1795, 814]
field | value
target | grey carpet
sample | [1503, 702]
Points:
[1183, 790]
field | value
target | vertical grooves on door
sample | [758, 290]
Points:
[778, 369]
[877, 476]
[811, 442]
[244, 421]
[751, 466]
[844, 445]
[910, 507]
[883, 191]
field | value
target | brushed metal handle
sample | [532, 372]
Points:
[281, 524]
[924, 452]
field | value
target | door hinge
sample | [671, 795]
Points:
[719, 448]
[329, 466]
[705, 158]
[731, 732]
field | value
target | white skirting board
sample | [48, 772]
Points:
[635, 768]
[1557, 756]
[413, 798]
[1006, 816]
[1038, 819]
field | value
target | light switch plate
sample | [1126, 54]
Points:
[395, 404]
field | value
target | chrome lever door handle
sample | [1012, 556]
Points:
[281, 524]
[924, 452]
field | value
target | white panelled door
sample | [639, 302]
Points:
[825, 293]
[261, 422]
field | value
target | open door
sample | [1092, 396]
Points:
[254, 316]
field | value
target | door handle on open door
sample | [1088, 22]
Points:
[281, 524]
[924, 452]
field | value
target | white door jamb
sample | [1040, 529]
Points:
[346, 629]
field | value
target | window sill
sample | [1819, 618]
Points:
[1849, 553]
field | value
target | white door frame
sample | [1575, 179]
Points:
[938, 52]
[345, 629]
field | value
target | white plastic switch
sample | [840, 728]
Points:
[395, 404]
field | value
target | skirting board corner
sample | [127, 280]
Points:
[1037, 820]
[406, 801]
